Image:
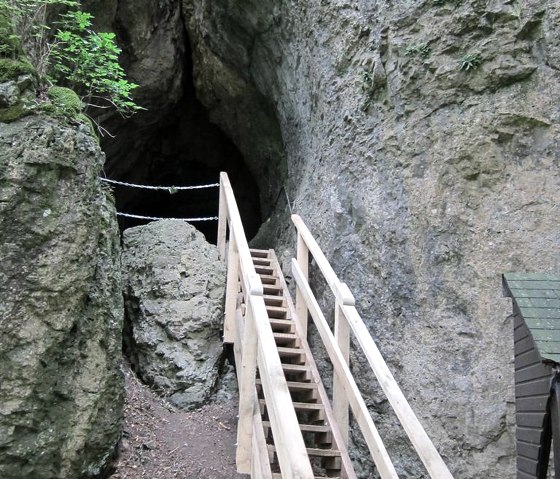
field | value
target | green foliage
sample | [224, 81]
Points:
[422, 50]
[66, 100]
[89, 62]
[57, 38]
[470, 61]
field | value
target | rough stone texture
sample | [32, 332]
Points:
[174, 291]
[61, 387]
[422, 180]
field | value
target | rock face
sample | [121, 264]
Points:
[61, 387]
[422, 149]
[174, 291]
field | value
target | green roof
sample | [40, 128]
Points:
[537, 297]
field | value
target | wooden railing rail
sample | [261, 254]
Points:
[344, 390]
[256, 347]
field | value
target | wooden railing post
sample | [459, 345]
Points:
[247, 392]
[302, 256]
[232, 289]
[222, 220]
[340, 399]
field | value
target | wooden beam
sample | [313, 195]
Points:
[340, 401]
[416, 433]
[232, 287]
[302, 256]
[371, 435]
[246, 394]
[291, 451]
[222, 218]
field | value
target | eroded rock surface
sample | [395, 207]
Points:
[174, 290]
[61, 386]
[422, 148]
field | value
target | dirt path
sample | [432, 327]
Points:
[161, 442]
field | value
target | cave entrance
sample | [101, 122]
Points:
[178, 147]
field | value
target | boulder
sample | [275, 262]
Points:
[61, 386]
[174, 292]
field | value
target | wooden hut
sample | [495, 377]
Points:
[536, 314]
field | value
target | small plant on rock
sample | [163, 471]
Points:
[470, 61]
[422, 50]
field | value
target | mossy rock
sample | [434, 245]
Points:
[10, 69]
[65, 101]
[13, 113]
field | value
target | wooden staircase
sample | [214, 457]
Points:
[329, 457]
[287, 427]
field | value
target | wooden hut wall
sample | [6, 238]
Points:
[532, 393]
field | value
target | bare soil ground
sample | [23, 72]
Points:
[162, 442]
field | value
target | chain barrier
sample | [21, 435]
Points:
[155, 218]
[171, 190]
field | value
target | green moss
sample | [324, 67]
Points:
[13, 113]
[11, 69]
[66, 101]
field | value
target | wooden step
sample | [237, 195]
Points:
[260, 253]
[283, 338]
[282, 325]
[278, 301]
[269, 280]
[264, 270]
[290, 352]
[277, 312]
[262, 262]
[277, 475]
[313, 452]
[305, 427]
[294, 385]
[299, 406]
[272, 289]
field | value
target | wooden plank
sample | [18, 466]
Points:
[292, 455]
[343, 294]
[527, 465]
[347, 470]
[530, 419]
[529, 434]
[527, 359]
[222, 219]
[532, 372]
[373, 440]
[277, 312]
[270, 300]
[246, 394]
[314, 451]
[232, 288]
[528, 450]
[416, 433]
[282, 324]
[532, 403]
[302, 257]
[537, 387]
[307, 427]
[340, 401]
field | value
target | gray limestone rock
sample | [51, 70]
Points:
[61, 386]
[424, 174]
[174, 292]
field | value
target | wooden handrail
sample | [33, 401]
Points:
[345, 304]
[258, 346]
[359, 408]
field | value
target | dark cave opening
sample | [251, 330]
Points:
[183, 148]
